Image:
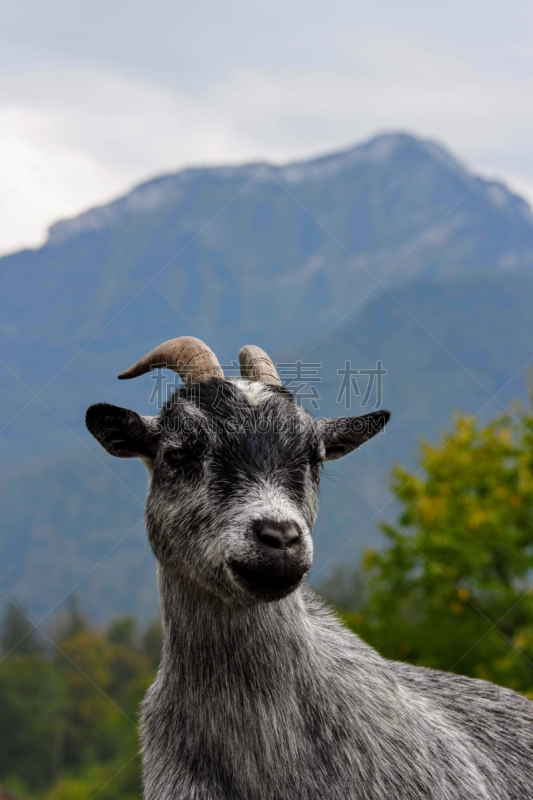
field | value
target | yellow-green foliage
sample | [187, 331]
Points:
[453, 588]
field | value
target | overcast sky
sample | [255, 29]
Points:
[97, 96]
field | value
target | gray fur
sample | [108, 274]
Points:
[262, 694]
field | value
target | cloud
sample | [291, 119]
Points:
[108, 131]
[139, 129]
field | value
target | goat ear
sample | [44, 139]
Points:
[341, 436]
[121, 432]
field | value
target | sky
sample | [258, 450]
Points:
[96, 97]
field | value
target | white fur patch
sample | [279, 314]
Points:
[256, 391]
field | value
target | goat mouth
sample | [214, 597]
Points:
[268, 585]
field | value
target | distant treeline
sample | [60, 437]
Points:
[69, 705]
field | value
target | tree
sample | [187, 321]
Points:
[31, 705]
[75, 621]
[18, 633]
[345, 587]
[453, 590]
[152, 643]
[96, 724]
[122, 632]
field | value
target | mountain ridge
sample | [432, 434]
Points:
[144, 196]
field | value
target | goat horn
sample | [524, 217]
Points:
[189, 357]
[257, 366]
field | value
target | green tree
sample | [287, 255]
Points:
[75, 621]
[96, 724]
[345, 587]
[18, 633]
[122, 632]
[452, 590]
[32, 702]
[152, 643]
[131, 665]
[118, 780]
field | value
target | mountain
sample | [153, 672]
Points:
[388, 251]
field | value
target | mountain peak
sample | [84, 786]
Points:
[383, 148]
[169, 189]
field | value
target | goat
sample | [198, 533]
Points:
[262, 694]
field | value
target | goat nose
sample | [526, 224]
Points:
[280, 536]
